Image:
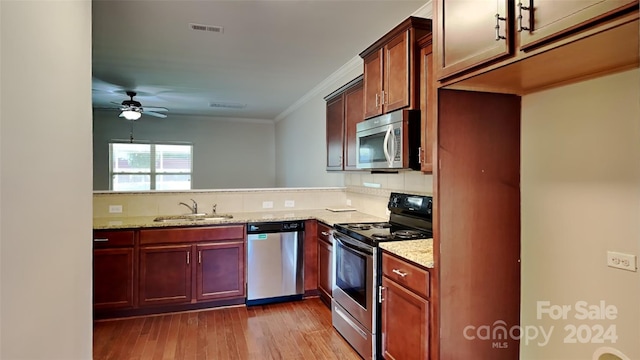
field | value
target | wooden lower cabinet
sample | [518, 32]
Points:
[325, 263]
[181, 266]
[165, 274]
[220, 270]
[405, 311]
[113, 278]
[114, 270]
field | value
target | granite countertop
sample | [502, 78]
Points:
[326, 216]
[417, 251]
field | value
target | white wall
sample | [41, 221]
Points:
[45, 148]
[302, 142]
[581, 197]
[227, 153]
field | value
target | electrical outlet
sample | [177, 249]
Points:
[115, 209]
[348, 202]
[289, 203]
[621, 261]
[267, 204]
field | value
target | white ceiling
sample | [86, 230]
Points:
[269, 55]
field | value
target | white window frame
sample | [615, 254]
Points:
[152, 166]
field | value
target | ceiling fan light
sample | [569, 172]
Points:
[131, 115]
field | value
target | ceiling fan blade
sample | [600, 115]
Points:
[150, 108]
[151, 113]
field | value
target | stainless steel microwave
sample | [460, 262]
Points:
[389, 141]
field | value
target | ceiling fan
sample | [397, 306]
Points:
[132, 109]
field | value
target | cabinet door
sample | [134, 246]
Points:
[220, 271]
[552, 17]
[325, 266]
[466, 34]
[373, 84]
[428, 109]
[353, 114]
[405, 323]
[396, 73]
[165, 274]
[335, 131]
[113, 278]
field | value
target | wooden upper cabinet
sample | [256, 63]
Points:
[428, 107]
[373, 84]
[396, 73]
[551, 18]
[473, 35]
[353, 106]
[391, 70]
[467, 36]
[344, 111]
[335, 132]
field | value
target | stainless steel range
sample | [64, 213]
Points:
[355, 307]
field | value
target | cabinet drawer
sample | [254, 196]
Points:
[408, 275]
[189, 235]
[324, 232]
[113, 238]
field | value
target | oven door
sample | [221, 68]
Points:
[355, 279]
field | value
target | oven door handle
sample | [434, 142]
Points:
[385, 146]
[350, 246]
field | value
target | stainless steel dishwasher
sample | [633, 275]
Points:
[275, 262]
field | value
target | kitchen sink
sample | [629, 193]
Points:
[192, 217]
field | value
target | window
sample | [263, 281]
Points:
[150, 166]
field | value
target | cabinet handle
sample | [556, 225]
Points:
[325, 233]
[520, 8]
[380, 298]
[398, 272]
[200, 257]
[498, 19]
[101, 240]
[188, 257]
[385, 97]
[377, 100]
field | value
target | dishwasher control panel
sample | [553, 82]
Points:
[275, 226]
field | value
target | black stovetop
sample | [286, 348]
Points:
[373, 233]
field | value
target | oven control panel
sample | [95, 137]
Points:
[416, 205]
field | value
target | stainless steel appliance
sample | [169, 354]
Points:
[355, 307]
[389, 141]
[275, 262]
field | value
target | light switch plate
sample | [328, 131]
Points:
[289, 203]
[348, 202]
[115, 209]
[267, 204]
[622, 261]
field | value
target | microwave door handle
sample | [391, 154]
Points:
[393, 146]
[386, 145]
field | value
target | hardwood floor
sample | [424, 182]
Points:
[295, 330]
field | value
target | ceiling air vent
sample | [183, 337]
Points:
[209, 28]
[227, 105]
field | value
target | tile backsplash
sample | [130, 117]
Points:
[366, 192]
[226, 201]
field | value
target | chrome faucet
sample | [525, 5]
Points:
[214, 209]
[194, 208]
